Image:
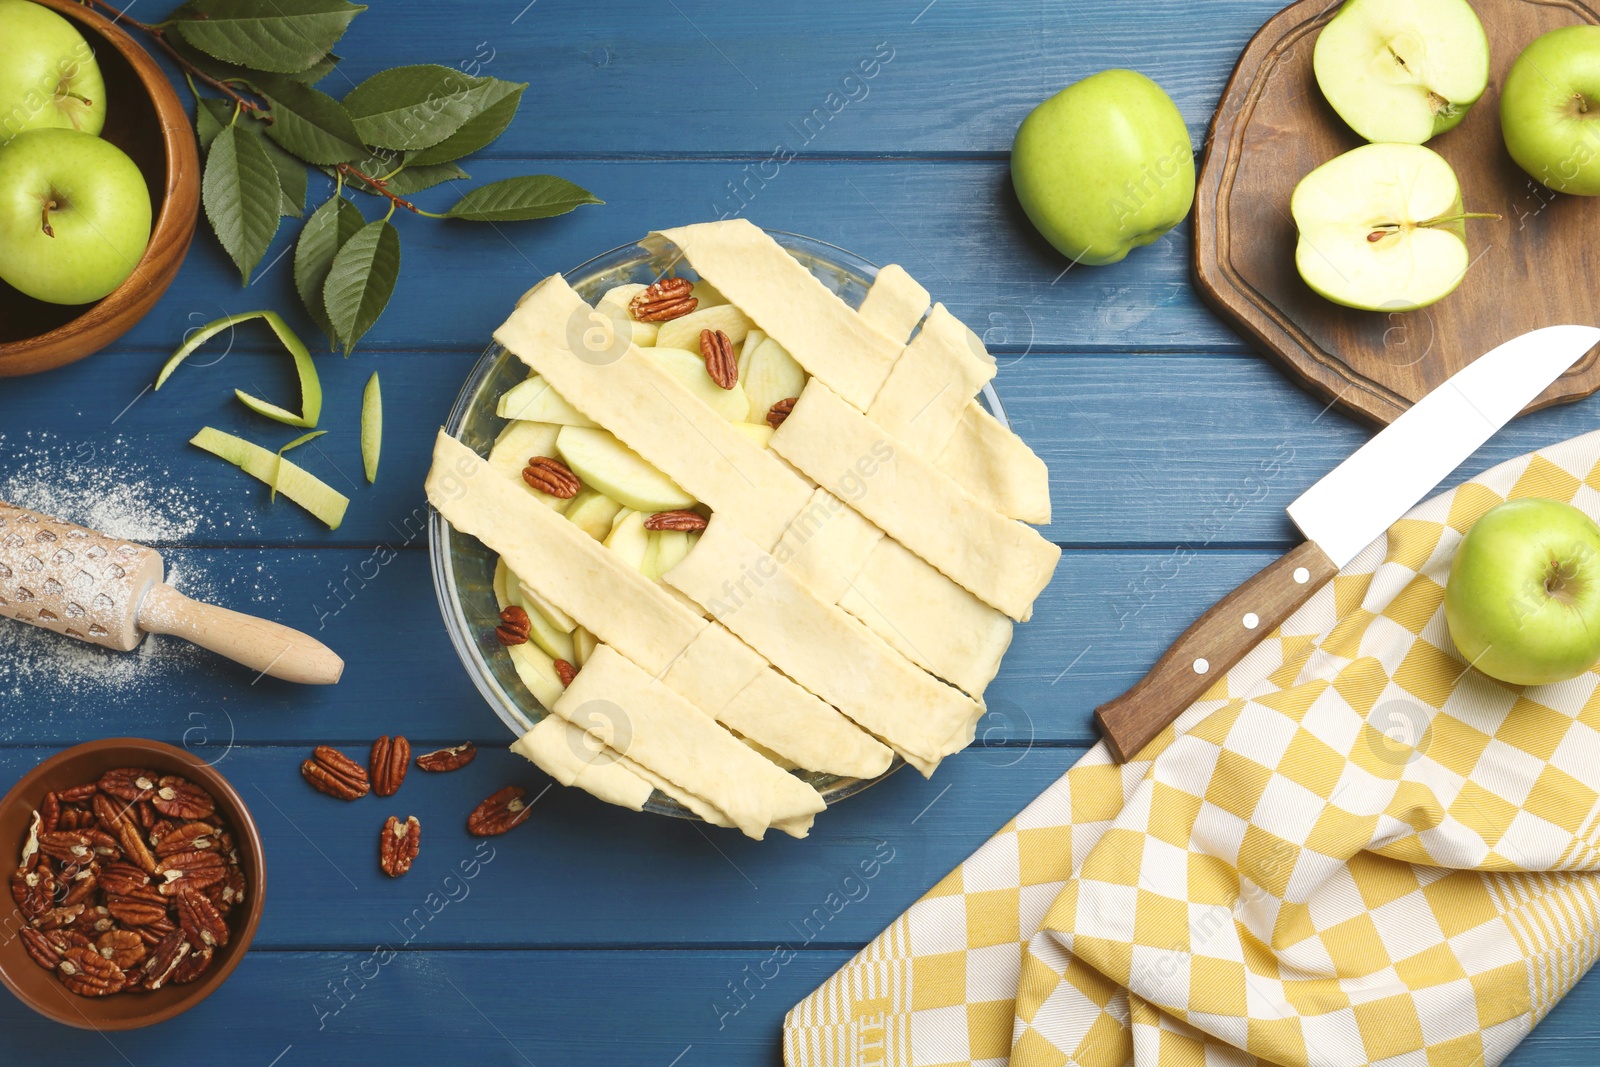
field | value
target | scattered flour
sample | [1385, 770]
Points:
[42, 673]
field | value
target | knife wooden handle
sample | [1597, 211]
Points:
[268, 647]
[1217, 640]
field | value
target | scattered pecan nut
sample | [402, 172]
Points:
[332, 772]
[722, 362]
[89, 974]
[551, 476]
[780, 411]
[504, 811]
[122, 947]
[566, 672]
[391, 758]
[180, 799]
[667, 299]
[447, 759]
[399, 844]
[515, 626]
[129, 783]
[685, 521]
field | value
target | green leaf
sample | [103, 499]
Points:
[371, 427]
[213, 115]
[305, 370]
[409, 180]
[284, 36]
[242, 194]
[232, 72]
[361, 280]
[407, 108]
[499, 100]
[299, 485]
[536, 196]
[309, 123]
[325, 232]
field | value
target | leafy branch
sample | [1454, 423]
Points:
[397, 133]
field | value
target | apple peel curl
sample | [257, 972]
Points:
[305, 369]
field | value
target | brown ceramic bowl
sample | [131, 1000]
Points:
[144, 118]
[41, 990]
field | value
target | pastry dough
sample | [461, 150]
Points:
[941, 371]
[929, 619]
[999, 560]
[588, 581]
[895, 303]
[820, 646]
[553, 745]
[826, 336]
[626, 709]
[827, 545]
[654, 414]
[997, 467]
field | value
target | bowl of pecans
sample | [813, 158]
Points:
[136, 884]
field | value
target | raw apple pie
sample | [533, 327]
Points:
[746, 530]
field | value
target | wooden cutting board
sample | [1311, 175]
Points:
[1536, 267]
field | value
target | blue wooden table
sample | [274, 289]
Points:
[594, 935]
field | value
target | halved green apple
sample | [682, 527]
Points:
[1403, 72]
[685, 332]
[773, 376]
[1381, 228]
[593, 512]
[630, 540]
[602, 462]
[520, 442]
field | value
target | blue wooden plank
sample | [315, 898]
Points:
[954, 225]
[583, 874]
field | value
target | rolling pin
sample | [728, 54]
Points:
[110, 592]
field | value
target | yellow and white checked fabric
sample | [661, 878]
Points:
[1353, 850]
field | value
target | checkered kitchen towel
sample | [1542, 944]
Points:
[1352, 850]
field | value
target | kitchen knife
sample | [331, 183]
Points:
[1342, 514]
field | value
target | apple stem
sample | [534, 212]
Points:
[84, 100]
[159, 36]
[44, 217]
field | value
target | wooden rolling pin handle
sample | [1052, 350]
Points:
[263, 646]
[1218, 639]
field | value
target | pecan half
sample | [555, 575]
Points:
[68, 846]
[75, 818]
[193, 965]
[89, 974]
[398, 845]
[155, 932]
[161, 828]
[391, 758]
[136, 911]
[190, 837]
[182, 799]
[78, 794]
[566, 672]
[332, 772]
[56, 918]
[129, 783]
[147, 815]
[551, 476]
[780, 411]
[722, 362]
[506, 810]
[684, 521]
[667, 299]
[164, 958]
[44, 948]
[97, 919]
[197, 869]
[199, 919]
[34, 891]
[81, 885]
[515, 626]
[122, 947]
[102, 845]
[447, 759]
[30, 844]
[132, 839]
[49, 813]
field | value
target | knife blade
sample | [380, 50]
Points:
[1343, 513]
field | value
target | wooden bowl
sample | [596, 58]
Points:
[144, 118]
[40, 989]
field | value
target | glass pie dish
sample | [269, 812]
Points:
[463, 568]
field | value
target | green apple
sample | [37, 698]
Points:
[690, 369]
[1523, 597]
[1403, 71]
[602, 462]
[48, 74]
[1550, 110]
[1104, 166]
[1381, 228]
[74, 215]
[535, 401]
